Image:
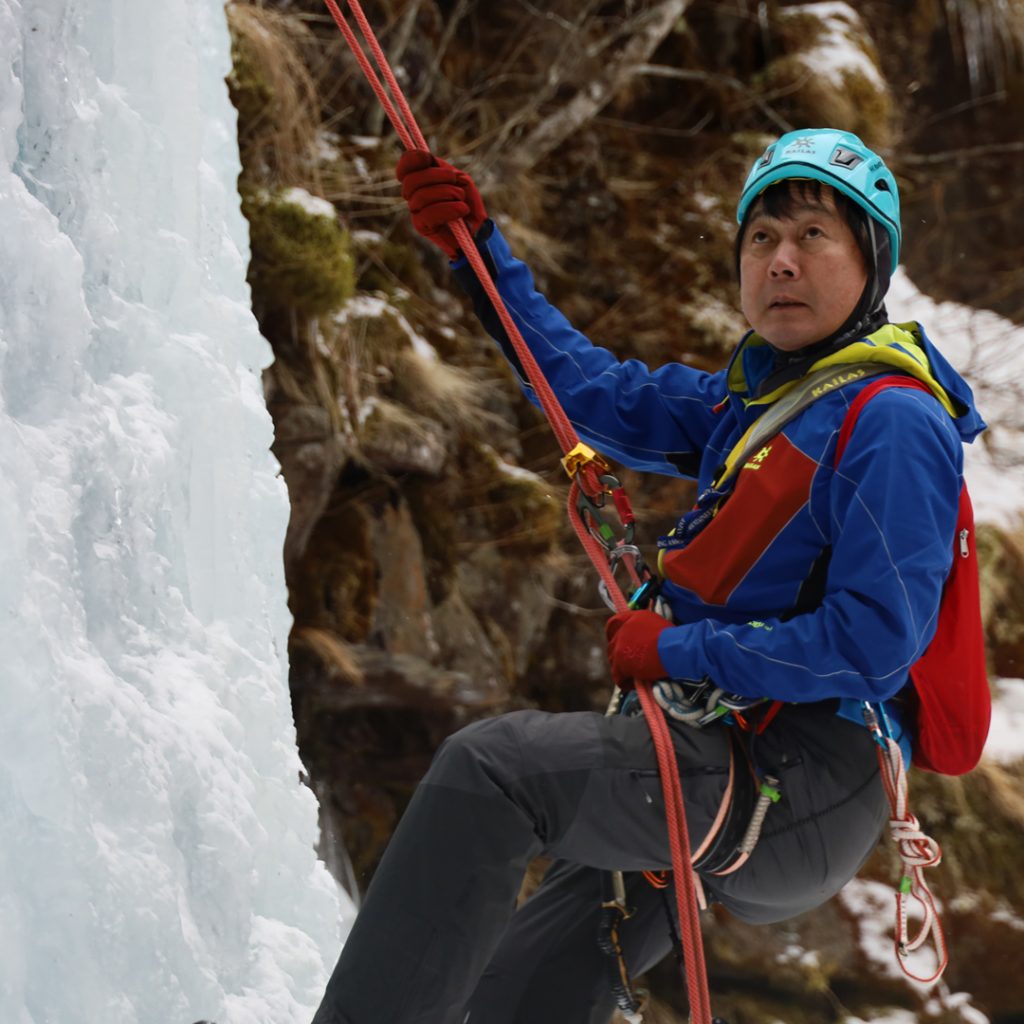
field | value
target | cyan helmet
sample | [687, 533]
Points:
[835, 158]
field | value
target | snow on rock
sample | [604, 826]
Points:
[889, 1016]
[156, 843]
[1006, 736]
[839, 49]
[315, 206]
[370, 307]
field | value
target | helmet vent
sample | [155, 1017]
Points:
[883, 185]
[843, 157]
[767, 158]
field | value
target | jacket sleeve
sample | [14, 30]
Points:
[656, 421]
[893, 509]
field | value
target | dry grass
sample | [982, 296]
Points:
[451, 395]
[276, 97]
[1002, 786]
[380, 348]
[332, 652]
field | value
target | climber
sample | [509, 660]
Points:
[796, 580]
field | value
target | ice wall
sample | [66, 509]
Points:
[156, 845]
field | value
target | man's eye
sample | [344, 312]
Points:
[814, 232]
[759, 236]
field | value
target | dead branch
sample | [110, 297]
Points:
[549, 88]
[967, 153]
[595, 96]
[688, 75]
[451, 25]
[403, 36]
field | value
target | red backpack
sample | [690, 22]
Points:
[953, 705]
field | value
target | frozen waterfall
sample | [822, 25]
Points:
[157, 859]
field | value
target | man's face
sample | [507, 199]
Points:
[800, 277]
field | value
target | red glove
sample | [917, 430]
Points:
[633, 647]
[437, 194]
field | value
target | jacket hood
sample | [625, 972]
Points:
[904, 347]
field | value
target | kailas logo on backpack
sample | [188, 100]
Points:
[953, 702]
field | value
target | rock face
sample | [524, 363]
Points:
[432, 575]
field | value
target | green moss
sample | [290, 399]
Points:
[867, 108]
[857, 105]
[301, 261]
[250, 91]
[809, 94]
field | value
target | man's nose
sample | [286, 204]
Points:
[784, 262]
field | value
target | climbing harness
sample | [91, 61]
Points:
[727, 845]
[588, 494]
[748, 793]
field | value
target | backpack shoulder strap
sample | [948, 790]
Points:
[804, 393]
[865, 396]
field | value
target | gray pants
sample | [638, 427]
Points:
[438, 936]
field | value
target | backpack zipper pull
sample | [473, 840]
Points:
[963, 542]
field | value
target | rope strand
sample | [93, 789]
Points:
[404, 122]
[917, 851]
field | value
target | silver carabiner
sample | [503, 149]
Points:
[615, 556]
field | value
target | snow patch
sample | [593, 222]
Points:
[370, 307]
[315, 206]
[839, 50]
[797, 954]
[510, 469]
[873, 904]
[1005, 742]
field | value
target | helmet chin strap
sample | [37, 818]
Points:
[869, 314]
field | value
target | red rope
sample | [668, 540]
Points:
[371, 76]
[679, 841]
[404, 122]
[385, 67]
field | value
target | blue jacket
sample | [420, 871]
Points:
[879, 527]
